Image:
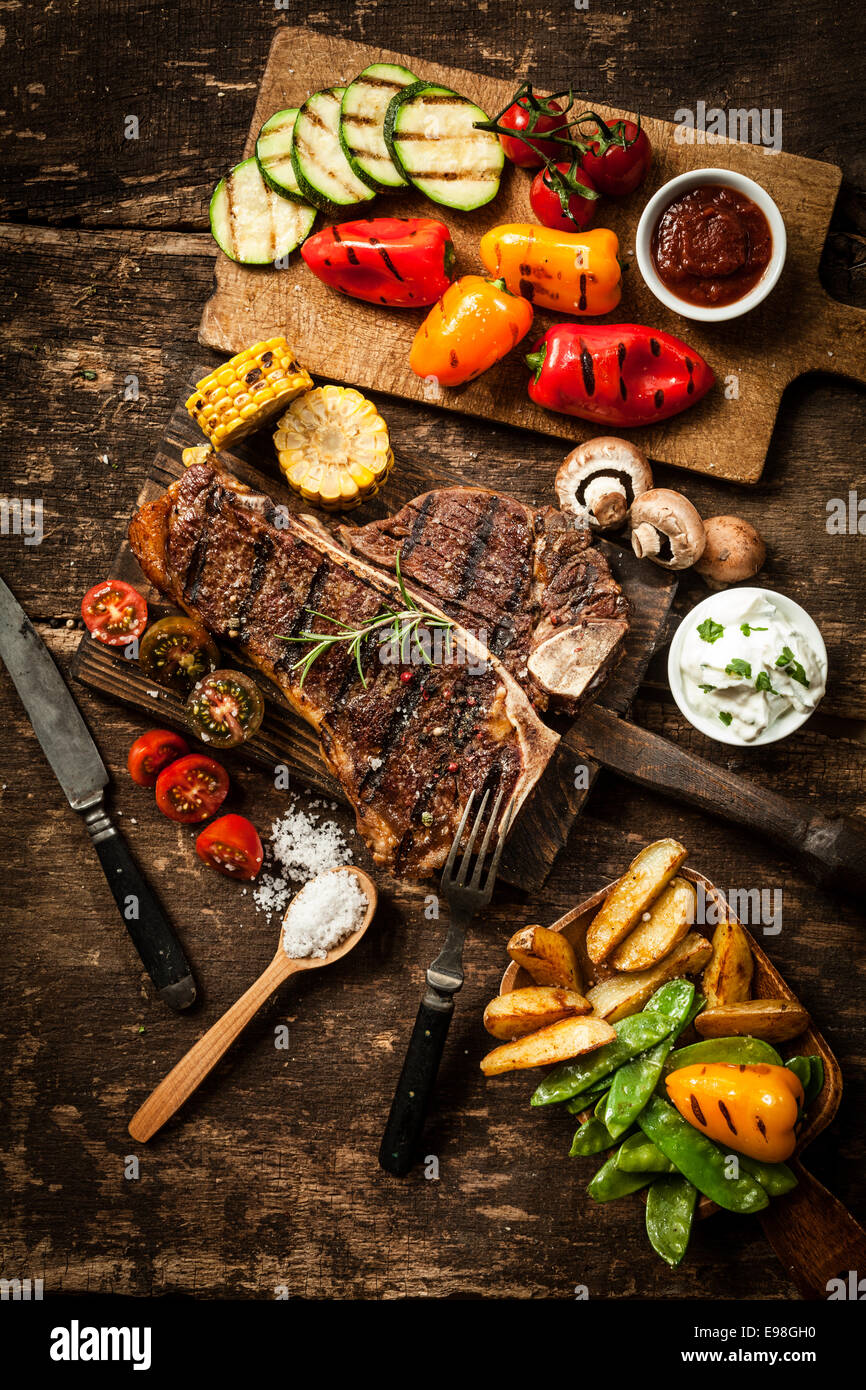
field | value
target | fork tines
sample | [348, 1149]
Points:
[474, 884]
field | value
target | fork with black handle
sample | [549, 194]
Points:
[444, 978]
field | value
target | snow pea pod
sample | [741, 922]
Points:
[610, 1183]
[775, 1178]
[635, 1081]
[670, 1209]
[591, 1138]
[587, 1099]
[810, 1072]
[737, 1052]
[633, 1035]
[700, 1160]
[639, 1155]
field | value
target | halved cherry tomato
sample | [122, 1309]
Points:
[152, 752]
[557, 187]
[531, 116]
[114, 612]
[225, 708]
[191, 789]
[231, 845]
[177, 652]
[618, 161]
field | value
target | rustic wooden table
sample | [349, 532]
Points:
[271, 1178]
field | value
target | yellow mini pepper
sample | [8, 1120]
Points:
[474, 324]
[750, 1109]
[568, 272]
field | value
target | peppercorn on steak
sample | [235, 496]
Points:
[408, 742]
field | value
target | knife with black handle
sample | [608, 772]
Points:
[75, 761]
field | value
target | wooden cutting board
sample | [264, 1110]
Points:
[548, 816]
[797, 329]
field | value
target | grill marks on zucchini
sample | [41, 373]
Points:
[324, 174]
[251, 223]
[362, 121]
[274, 154]
[431, 134]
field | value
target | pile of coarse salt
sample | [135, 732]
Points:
[299, 849]
[323, 914]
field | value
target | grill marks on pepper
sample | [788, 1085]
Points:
[696, 1109]
[587, 367]
[386, 258]
[726, 1116]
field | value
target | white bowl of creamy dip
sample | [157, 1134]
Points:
[747, 666]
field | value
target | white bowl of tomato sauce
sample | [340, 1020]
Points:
[711, 244]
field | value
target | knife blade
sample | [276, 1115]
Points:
[75, 761]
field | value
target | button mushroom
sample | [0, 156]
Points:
[667, 529]
[599, 481]
[734, 551]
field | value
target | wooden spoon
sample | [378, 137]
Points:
[191, 1070]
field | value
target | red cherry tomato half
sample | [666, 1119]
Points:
[152, 752]
[531, 121]
[623, 165]
[114, 612]
[191, 789]
[231, 845]
[547, 205]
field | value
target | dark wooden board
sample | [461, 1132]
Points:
[547, 817]
[726, 435]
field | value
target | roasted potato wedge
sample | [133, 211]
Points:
[621, 995]
[526, 1010]
[570, 1037]
[774, 1020]
[635, 892]
[728, 976]
[667, 922]
[547, 956]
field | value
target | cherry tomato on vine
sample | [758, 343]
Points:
[618, 158]
[114, 612]
[231, 845]
[152, 752]
[547, 204]
[531, 116]
[191, 789]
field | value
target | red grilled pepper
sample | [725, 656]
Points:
[616, 374]
[405, 262]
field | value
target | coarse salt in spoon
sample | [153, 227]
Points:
[312, 943]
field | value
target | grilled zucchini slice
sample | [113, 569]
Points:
[274, 154]
[325, 176]
[430, 132]
[362, 122]
[251, 223]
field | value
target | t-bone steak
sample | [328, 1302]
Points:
[411, 744]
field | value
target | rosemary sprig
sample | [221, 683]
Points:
[405, 624]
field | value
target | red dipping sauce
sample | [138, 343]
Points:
[711, 246]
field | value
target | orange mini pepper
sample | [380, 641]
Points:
[750, 1109]
[569, 272]
[473, 325]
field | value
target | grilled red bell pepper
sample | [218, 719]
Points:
[405, 262]
[616, 373]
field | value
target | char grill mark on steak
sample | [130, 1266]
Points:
[513, 574]
[391, 742]
[417, 531]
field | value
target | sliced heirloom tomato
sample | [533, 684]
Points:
[191, 789]
[225, 708]
[177, 652]
[152, 752]
[231, 845]
[114, 612]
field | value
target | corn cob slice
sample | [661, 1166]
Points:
[333, 447]
[247, 391]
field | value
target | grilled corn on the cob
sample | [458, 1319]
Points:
[333, 447]
[247, 391]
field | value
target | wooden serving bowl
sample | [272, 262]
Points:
[815, 1237]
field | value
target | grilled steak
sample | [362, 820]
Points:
[410, 746]
[528, 582]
